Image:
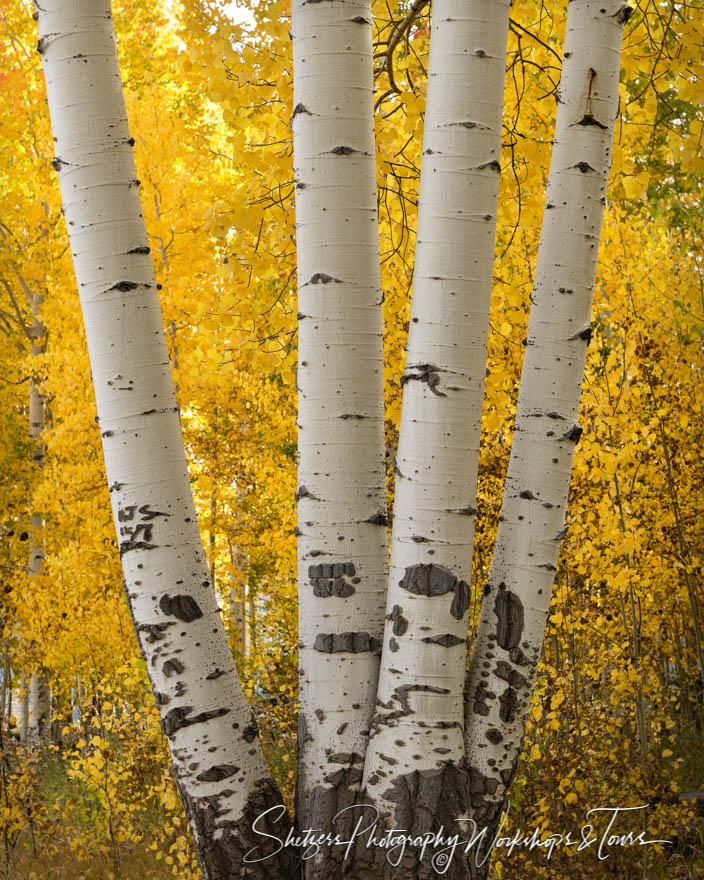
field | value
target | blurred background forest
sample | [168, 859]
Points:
[618, 718]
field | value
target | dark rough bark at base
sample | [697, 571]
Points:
[481, 872]
[327, 811]
[427, 802]
[224, 858]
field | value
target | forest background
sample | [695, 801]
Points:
[618, 715]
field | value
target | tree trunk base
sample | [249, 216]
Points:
[423, 842]
[229, 849]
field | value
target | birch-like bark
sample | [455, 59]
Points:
[416, 750]
[236, 597]
[23, 709]
[39, 709]
[39, 694]
[342, 547]
[6, 688]
[218, 762]
[10, 698]
[517, 594]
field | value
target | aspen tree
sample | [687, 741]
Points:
[6, 693]
[212, 734]
[517, 593]
[23, 723]
[39, 698]
[36, 696]
[416, 751]
[342, 545]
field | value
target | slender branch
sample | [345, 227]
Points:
[27, 290]
[400, 31]
[514, 25]
[18, 313]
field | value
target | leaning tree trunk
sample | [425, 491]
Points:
[342, 547]
[532, 524]
[218, 762]
[415, 768]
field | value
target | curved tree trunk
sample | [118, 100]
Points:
[415, 762]
[517, 594]
[342, 547]
[211, 731]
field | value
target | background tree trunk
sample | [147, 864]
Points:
[6, 694]
[23, 700]
[39, 692]
[517, 594]
[342, 548]
[219, 765]
[39, 709]
[236, 597]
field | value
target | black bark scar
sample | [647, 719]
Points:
[447, 640]
[352, 642]
[400, 623]
[328, 579]
[217, 773]
[588, 119]
[172, 667]
[181, 717]
[508, 702]
[184, 608]
[302, 492]
[427, 373]
[508, 608]
[430, 579]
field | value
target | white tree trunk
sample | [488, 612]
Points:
[420, 701]
[39, 709]
[23, 698]
[517, 594]
[9, 708]
[236, 603]
[342, 547]
[6, 693]
[212, 734]
[238, 621]
[39, 693]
